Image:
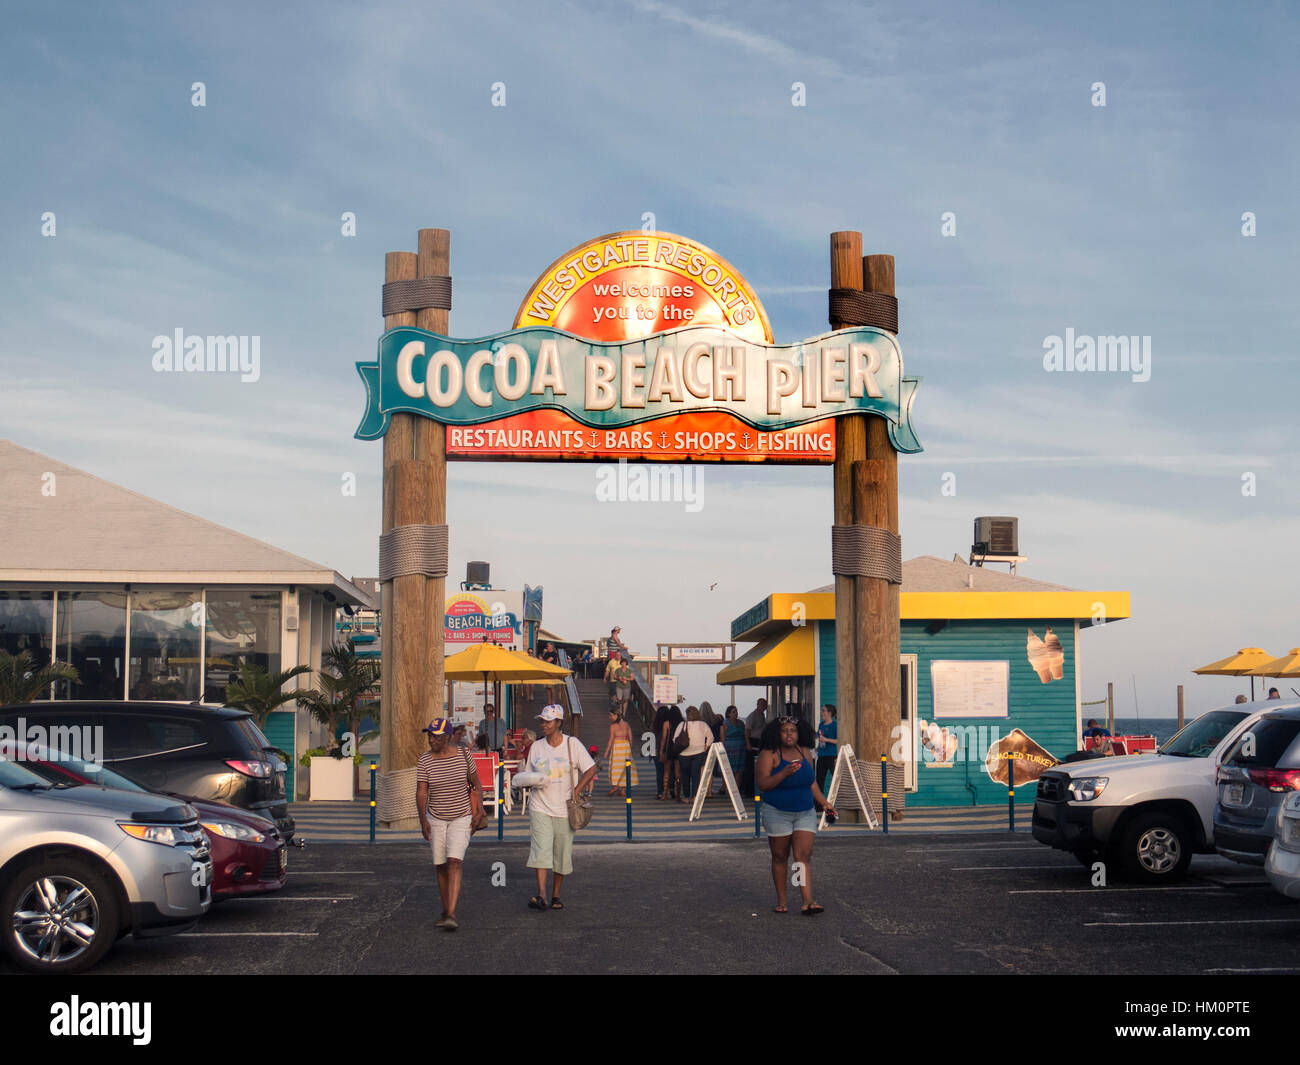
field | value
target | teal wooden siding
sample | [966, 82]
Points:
[826, 661]
[279, 730]
[1046, 712]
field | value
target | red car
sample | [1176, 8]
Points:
[248, 854]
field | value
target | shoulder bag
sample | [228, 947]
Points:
[477, 810]
[579, 806]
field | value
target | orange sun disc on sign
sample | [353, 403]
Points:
[629, 285]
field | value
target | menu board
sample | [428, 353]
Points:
[969, 689]
[665, 689]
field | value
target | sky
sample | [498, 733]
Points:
[1124, 219]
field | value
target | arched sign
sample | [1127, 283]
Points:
[640, 346]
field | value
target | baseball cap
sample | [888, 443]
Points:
[554, 712]
[439, 726]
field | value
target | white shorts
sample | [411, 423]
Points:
[449, 839]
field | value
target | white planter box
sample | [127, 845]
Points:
[331, 779]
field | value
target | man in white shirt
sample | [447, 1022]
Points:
[560, 759]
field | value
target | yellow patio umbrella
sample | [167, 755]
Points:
[1286, 666]
[488, 660]
[1244, 663]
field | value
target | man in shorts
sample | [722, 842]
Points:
[560, 759]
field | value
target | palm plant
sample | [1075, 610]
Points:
[20, 682]
[345, 678]
[260, 692]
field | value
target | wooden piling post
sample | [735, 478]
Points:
[850, 447]
[1180, 706]
[414, 493]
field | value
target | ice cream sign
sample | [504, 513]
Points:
[640, 346]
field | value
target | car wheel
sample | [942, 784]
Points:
[60, 916]
[1157, 848]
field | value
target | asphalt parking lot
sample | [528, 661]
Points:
[974, 903]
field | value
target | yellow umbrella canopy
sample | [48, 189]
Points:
[1242, 664]
[490, 660]
[1286, 666]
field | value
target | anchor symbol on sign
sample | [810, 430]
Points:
[593, 439]
[663, 440]
[744, 441]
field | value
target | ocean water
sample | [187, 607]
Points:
[1160, 727]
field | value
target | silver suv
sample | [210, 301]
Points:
[81, 867]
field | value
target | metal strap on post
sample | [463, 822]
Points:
[850, 307]
[866, 551]
[418, 294]
[410, 549]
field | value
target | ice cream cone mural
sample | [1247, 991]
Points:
[1046, 656]
[1055, 655]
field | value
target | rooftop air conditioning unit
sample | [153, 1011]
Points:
[996, 536]
[478, 573]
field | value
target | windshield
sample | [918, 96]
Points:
[1197, 739]
[13, 775]
[78, 771]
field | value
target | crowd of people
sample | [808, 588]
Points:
[781, 759]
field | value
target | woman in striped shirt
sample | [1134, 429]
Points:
[447, 796]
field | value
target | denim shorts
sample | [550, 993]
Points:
[784, 822]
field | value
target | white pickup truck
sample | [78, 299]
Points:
[1149, 813]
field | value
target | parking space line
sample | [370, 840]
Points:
[1103, 890]
[1286, 969]
[290, 898]
[1153, 924]
[998, 868]
[210, 935]
[333, 872]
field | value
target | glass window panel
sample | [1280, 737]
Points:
[92, 637]
[165, 651]
[27, 624]
[242, 627]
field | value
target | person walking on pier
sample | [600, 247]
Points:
[618, 750]
[560, 759]
[784, 774]
[698, 738]
[667, 765]
[448, 798]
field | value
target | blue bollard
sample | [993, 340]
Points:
[758, 809]
[501, 794]
[1011, 794]
[884, 795]
[373, 767]
[627, 784]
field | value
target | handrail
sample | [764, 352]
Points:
[570, 688]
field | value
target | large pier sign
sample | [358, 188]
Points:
[612, 395]
[642, 346]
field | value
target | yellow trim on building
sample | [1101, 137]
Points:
[787, 607]
[788, 654]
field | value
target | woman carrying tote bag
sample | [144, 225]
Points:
[693, 737]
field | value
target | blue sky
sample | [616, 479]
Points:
[1123, 219]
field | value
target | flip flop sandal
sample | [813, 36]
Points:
[812, 910]
[780, 909]
[537, 903]
[556, 904]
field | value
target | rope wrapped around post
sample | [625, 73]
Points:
[851, 306]
[417, 294]
[866, 551]
[411, 549]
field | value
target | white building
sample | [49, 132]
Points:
[149, 602]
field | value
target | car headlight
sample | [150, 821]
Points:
[233, 830]
[165, 834]
[1085, 789]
